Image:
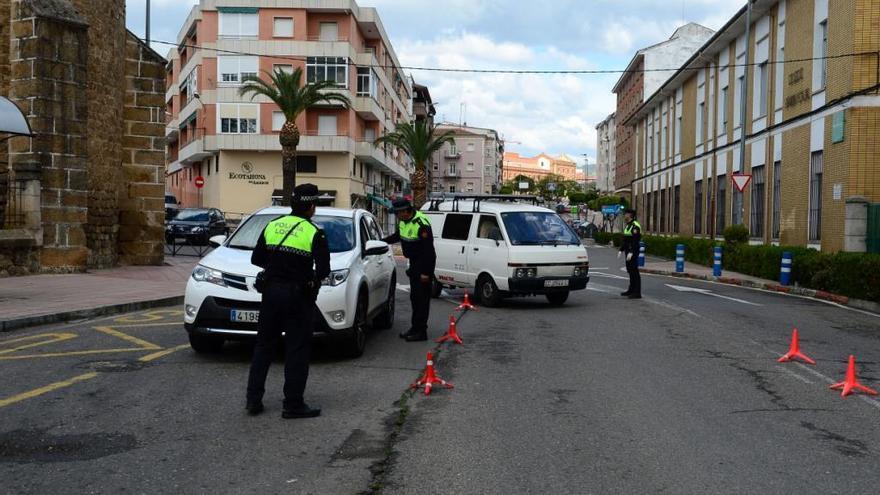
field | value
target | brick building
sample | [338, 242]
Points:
[810, 129]
[86, 191]
[540, 166]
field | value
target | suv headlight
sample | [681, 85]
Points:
[525, 273]
[336, 277]
[203, 274]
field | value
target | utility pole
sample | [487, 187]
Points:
[147, 30]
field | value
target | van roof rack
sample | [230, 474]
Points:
[438, 198]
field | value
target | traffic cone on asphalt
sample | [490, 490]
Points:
[466, 304]
[851, 383]
[794, 352]
[430, 378]
[451, 334]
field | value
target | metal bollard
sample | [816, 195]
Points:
[679, 258]
[785, 271]
[641, 254]
[716, 264]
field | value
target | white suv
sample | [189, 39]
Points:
[221, 302]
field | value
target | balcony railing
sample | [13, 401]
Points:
[322, 38]
[453, 154]
[451, 173]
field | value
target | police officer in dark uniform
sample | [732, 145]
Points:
[296, 258]
[417, 240]
[632, 237]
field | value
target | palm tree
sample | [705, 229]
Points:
[292, 98]
[418, 141]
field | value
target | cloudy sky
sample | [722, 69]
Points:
[553, 113]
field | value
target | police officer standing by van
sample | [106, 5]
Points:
[632, 237]
[295, 257]
[417, 240]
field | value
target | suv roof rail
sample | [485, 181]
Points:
[439, 198]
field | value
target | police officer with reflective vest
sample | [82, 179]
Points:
[632, 237]
[417, 240]
[295, 257]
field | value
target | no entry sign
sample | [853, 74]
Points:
[199, 182]
[740, 181]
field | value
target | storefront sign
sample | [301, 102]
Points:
[247, 174]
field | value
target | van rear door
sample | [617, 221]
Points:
[452, 265]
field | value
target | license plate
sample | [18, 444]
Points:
[244, 316]
[556, 283]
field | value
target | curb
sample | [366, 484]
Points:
[30, 321]
[775, 287]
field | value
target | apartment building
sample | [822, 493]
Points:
[605, 155]
[809, 130]
[643, 77]
[471, 165]
[232, 141]
[540, 166]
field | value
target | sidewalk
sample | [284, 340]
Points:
[44, 299]
[659, 266]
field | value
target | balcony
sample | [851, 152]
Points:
[368, 108]
[368, 152]
[453, 174]
[193, 150]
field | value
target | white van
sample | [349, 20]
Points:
[503, 246]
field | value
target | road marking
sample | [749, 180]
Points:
[156, 355]
[608, 275]
[148, 316]
[143, 344]
[404, 288]
[707, 292]
[72, 353]
[55, 337]
[48, 388]
[594, 289]
[602, 268]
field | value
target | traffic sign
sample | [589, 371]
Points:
[199, 181]
[611, 209]
[740, 181]
[551, 186]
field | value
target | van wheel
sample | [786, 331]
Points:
[205, 344]
[557, 298]
[489, 294]
[354, 340]
[385, 320]
[436, 289]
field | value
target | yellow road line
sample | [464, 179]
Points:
[44, 390]
[156, 355]
[72, 353]
[55, 337]
[145, 325]
[129, 338]
[148, 316]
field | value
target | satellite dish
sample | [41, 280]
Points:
[12, 121]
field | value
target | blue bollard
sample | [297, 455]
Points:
[785, 271]
[679, 258]
[641, 254]
[716, 264]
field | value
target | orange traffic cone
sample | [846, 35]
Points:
[794, 352]
[429, 379]
[851, 382]
[451, 334]
[466, 304]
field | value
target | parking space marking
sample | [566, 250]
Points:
[148, 316]
[72, 353]
[46, 389]
[156, 355]
[143, 344]
[54, 337]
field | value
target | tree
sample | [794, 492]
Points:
[418, 140]
[293, 98]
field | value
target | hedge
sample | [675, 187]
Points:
[855, 275]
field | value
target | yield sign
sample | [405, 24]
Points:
[740, 181]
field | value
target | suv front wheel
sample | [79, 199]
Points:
[385, 320]
[354, 339]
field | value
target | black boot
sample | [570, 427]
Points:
[254, 408]
[302, 411]
[624, 294]
[416, 337]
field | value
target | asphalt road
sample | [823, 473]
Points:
[676, 393]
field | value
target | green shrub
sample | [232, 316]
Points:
[606, 238]
[736, 234]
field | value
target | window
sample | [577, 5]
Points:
[367, 82]
[777, 197]
[217, 165]
[816, 166]
[470, 146]
[190, 85]
[451, 169]
[722, 109]
[283, 27]
[488, 224]
[756, 225]
[676, 208]
[457, 226]
[470, 187]
[306, 164]
[678, 134]
[655, 211]
[701, 110]
[698, 207]
[452, 188]
[354, 163]
[470, 167]
[326, 125]
[327, 69]
[239, 25]
[287, 69]
[823, 52]
[720, 204]
[664, 214]
[329, 31]
[740, 86]
[238, 118]
[233, 70]
[763, 81]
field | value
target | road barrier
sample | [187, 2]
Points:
[851, 383]
[641, 254]
[430, 378]
[794, 351]
[466, 304]
[716, 263]
[785, 270]
[679, 258]
[451, 334]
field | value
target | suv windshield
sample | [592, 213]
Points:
[339, 231]
[192, 215]
[537, 228]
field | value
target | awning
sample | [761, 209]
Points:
[189, 119]
[238, 10]
[12, 120]
[380, 200]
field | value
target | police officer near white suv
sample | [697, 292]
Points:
[295, 257]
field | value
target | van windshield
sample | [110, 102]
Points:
[538, 228]
[339, 232]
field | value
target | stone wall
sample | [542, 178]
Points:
[5, 34]
[142, 199]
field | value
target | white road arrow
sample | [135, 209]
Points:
[708, 292]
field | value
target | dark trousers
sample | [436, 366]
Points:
[420, 298]
[635, 279]
[285, 308]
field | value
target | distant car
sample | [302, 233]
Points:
[195, 226]
[561, 208]
[171, 206]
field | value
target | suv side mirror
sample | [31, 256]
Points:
[375, 248]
